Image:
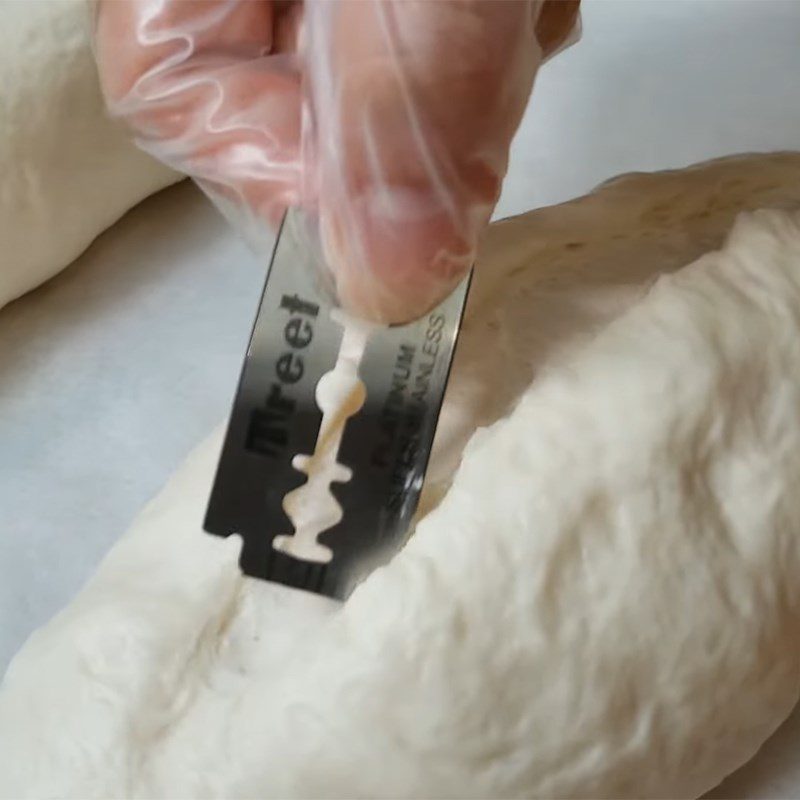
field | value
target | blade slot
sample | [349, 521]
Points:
[340, 394]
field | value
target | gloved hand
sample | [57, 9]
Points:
[389, 120]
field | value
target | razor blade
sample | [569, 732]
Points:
[381, 451]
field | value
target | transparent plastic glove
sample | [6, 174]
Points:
[390, 121]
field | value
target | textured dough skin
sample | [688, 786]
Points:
[552, 278]
[613, 614]
[67, 171]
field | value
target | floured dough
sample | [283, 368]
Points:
[604, 603]
[67, 171]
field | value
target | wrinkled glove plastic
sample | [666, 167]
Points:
[389, 121]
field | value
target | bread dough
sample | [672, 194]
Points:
[68, 172]
[604, 603]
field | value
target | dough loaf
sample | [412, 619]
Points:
[602, 600]
[68, 172]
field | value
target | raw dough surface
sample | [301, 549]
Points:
[67, 171]
[605, 603]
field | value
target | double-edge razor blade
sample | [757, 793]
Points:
[274, 428]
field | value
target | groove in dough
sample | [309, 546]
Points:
[603, 599]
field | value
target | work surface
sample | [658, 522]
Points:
[112, 372]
